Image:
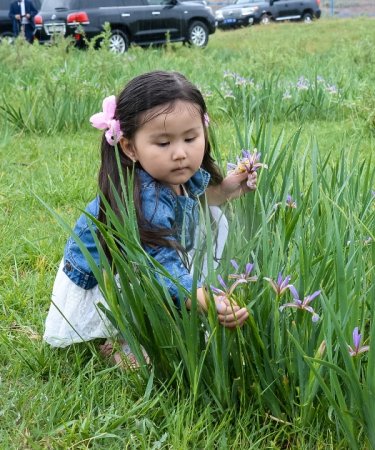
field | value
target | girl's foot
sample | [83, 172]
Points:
[123, 358]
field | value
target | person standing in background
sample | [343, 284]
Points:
[22, 15]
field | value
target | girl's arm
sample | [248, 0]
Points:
[229, 313]
[234, 185]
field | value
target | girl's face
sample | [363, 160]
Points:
[170, 147]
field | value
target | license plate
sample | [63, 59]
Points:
[55, 28]
[230, 20]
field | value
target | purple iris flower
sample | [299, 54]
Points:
[250, 162]
[290, 202]
[229, 94]
[302, 304]
[302, 83]
[240, 81]
[287, 95]
[357, 349]
[227, 291]
[332, 89]
[220, 291]
[231, 167]
[229, 74]
[242, 277]
[280, 285]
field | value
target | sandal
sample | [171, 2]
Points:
[125, 358]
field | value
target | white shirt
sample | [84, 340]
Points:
[24, 20]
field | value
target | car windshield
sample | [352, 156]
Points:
[59, 5]
[244, 2]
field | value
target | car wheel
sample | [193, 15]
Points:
[118, 42]
[265, 19]
[307, 18]
[7, 36]
[198, 34]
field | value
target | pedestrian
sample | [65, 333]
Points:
[22, 15]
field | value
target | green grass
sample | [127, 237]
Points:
[70, 398]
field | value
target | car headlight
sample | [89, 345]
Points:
[247, 11]
[219, 15]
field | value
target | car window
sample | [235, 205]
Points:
[132, 2]
[128, 3]
[245, 2]
[101, 3]
[50, 5]
[158, 2]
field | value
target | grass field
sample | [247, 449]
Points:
[305, 97]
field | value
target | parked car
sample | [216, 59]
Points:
[247, 12]
[6, 29]
[143, 22]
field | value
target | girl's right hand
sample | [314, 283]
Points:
[229, 313]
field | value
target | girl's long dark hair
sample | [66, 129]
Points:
[141, 94]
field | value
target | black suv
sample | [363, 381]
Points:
[142, 22]
[6, 29]
[247, 12]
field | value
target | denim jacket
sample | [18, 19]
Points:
[162, 208]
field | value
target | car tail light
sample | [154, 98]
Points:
[78, 18]
[38, 20]
[318, 2]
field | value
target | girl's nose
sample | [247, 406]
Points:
[179, 152]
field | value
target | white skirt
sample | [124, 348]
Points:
[74, 315]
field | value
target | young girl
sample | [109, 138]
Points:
[159, 125]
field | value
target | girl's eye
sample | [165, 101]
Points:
[190, 139]
[162, 144]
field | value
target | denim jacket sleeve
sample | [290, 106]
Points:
[75, 265]
[159, 208]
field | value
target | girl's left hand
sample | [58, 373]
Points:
[236, 184]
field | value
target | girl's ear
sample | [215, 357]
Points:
[128, 149]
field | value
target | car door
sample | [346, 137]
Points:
[165, 20]
[5, 22]
[120, 14]
[140, 20]
[283, 9]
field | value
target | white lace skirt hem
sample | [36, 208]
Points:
[74, 315]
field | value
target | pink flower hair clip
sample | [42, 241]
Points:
[105, 121]
[206, 119]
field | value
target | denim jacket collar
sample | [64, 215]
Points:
[195, 186]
